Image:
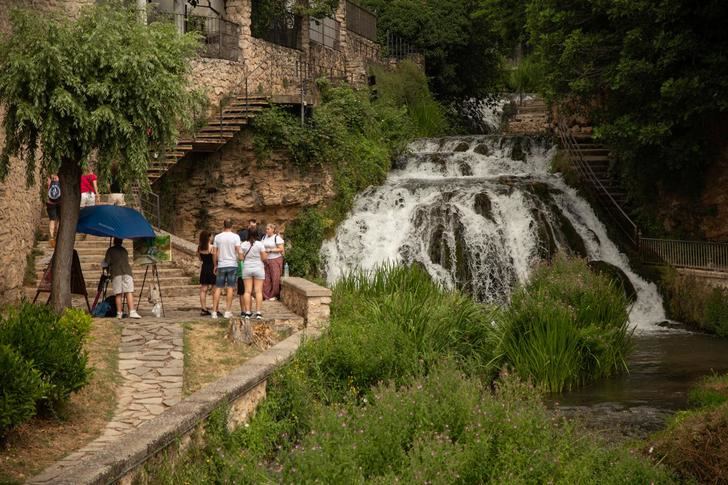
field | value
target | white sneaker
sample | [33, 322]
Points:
[134, 314]
[119, 316]
[228, 315]
[273, 298]
[213, 315]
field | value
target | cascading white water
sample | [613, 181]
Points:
[478, 213]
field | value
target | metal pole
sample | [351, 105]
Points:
[303, 95]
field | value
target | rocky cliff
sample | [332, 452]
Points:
[203, 190]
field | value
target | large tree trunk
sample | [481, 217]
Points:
[70, 178]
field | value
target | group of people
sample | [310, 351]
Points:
[250, 261]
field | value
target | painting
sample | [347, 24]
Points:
[153, 250]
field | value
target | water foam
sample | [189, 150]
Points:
[471, 210]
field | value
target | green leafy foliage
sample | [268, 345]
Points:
[568, 326]
[103, 82]
[20, 387]
[652, 74]
[53, 343]
[462, 55]
[354, 138]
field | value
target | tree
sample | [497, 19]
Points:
[103, 86]
[655, 73]
[462, 56]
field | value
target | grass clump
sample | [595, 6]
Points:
[400, 389]
[568, 326]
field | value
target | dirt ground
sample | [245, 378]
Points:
[209, 355]
[43, 440]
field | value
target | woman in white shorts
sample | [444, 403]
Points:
[252, 253]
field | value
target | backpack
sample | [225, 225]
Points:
[54, 191]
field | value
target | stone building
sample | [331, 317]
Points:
[243, 54]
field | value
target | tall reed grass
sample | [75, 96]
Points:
[568, 326]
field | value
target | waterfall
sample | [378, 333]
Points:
[478, 212]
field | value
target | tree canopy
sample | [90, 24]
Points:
[103, 86]
[654, 75]
[461, 51]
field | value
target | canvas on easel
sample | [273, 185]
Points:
[78, 283]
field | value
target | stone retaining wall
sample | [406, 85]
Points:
[307, 299]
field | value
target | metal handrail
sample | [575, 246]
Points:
[705, 255]
[572, 146]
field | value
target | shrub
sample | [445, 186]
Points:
[694, 442]
[20, 387]
[53, 343]
[449, 428]
[566, 327]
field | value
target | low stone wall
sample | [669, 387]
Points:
[239, 393]
[715, 279]
[307, 299]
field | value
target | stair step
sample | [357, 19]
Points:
[216, 128]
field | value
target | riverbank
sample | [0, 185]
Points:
[401, 388]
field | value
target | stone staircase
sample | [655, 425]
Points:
[218, 131]
[91, 250]
[598, 157]
[532, 117]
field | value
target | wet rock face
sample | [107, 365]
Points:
[483, 205]
[462, 147]
[617, 276]
[482, 149]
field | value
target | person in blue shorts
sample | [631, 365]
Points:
[225, 264]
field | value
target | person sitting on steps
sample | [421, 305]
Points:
[122, 281]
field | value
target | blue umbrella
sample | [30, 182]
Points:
[113, 221]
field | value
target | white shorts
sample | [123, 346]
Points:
[116, 199]
[122, 284]
[87, 199]
[255, 273]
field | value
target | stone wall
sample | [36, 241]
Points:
[200, 192]
[308, 300]
[20, 210]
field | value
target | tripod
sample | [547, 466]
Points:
[154, 276]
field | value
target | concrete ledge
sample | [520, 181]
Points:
[307, 299]
[240, 392]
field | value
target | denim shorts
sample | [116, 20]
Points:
[225, 277]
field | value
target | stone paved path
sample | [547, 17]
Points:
[151, 364]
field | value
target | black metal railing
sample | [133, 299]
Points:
[361, 21]
[620, 217]
[398, 48]
[278, 27]
[147, 203]
[705, 255]
[325, 31]
[702, 255]
[220, 37]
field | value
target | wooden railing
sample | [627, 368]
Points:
[703, 255]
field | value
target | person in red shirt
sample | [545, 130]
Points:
[89, 187]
